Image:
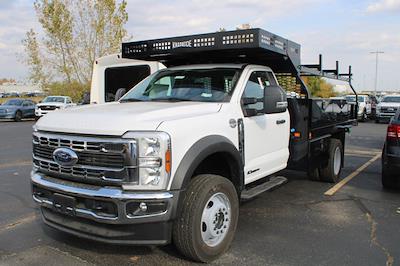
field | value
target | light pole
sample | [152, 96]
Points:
[376, 67]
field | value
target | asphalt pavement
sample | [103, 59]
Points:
[293, 225]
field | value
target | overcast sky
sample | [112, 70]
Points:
[338, 29]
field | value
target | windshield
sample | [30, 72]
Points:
[391, 99]
[13, 102]
[352, 98]
[200, 85]
[53, 99]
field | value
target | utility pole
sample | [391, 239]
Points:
[376, 67]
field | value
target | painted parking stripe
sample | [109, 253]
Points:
[339, 185]
[371, 152]
[15, 164]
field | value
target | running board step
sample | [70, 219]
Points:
[273, 182]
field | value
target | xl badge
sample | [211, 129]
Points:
[65, 157]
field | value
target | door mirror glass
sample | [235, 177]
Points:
[275, 100]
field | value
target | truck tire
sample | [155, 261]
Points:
[207, 222]
[331, 172]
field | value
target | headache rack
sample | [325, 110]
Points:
[253, 46]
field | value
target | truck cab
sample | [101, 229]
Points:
[171, 160]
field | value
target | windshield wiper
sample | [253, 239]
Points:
[131, 100]
[172, 99]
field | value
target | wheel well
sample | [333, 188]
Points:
[222, 164]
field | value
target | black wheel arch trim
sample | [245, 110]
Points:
[199, 151]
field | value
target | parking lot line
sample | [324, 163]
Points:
[15, 164]
[370, 152]
[339, 185]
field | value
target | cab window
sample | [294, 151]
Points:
[258, 82]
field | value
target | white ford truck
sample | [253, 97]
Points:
[170, 161]
[52, 103]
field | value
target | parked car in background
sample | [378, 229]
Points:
[391, 154]
[364, 105]
[387, 108]
[51, 103]
[17, 109]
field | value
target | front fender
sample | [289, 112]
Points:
[201, 150]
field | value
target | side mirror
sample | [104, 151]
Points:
[251, 111]
[275, 100]
[120, 92]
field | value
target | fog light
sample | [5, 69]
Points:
[143, 206]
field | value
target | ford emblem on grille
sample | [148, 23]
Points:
[65, 157]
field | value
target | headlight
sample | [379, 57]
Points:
[9, 110]
[153, 150]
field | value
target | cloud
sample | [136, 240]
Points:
[384, 6]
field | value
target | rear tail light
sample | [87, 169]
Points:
[393, 132]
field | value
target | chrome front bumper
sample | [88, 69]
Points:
[109, 195]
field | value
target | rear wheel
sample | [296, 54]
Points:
[207, 223]
[331, 172]
[18, 116]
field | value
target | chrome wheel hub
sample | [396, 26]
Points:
[337, 161]
[215, 220]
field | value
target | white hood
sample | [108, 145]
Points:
[117, 118]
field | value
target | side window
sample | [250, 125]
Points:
[123, 77]
[263, 84]
[255, 89]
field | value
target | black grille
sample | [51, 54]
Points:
[388, 109]
[112, 160]
[101, 161]
[47, 107]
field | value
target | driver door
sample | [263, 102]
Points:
[266, 134]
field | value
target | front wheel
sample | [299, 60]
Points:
[207, 223]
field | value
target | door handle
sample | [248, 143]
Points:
[279, 122]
